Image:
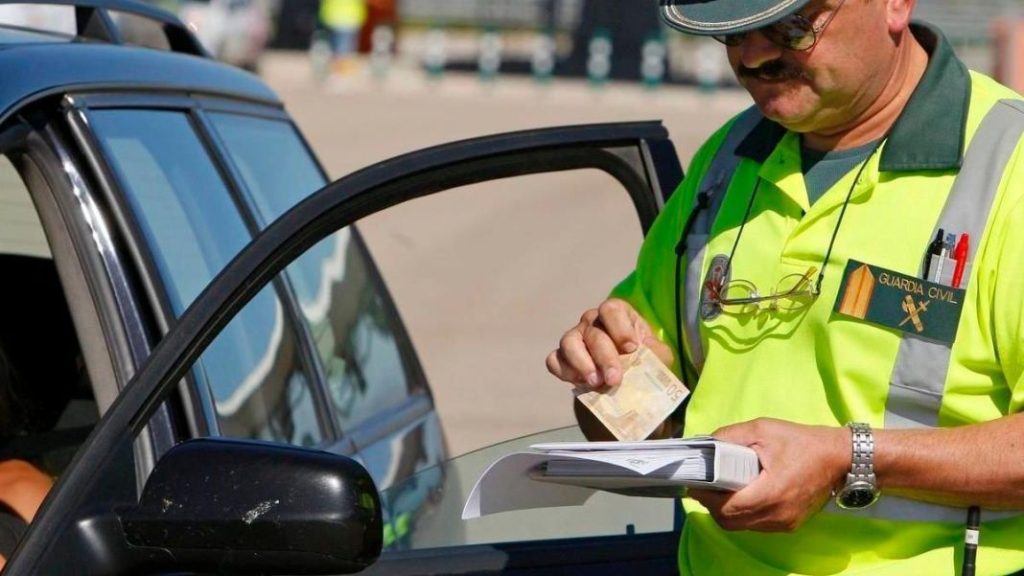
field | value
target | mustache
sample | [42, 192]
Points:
[772, 71]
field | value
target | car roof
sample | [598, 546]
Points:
[97, 61]
[31, 71]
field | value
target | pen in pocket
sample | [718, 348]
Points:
[933, 256]
[960, 253]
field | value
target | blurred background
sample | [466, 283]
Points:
[599, 39]
[488, 277]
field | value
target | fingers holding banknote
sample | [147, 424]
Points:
[572, 361]
[589, 353]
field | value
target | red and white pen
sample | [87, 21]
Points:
[960, 255]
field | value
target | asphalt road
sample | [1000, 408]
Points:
[487, 278]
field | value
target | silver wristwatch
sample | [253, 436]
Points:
[860, 490]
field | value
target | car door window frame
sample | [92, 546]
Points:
[337, 205]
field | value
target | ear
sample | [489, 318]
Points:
[898, 15]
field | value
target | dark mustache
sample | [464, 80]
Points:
[773, 70]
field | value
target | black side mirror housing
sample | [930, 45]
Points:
[235, 506]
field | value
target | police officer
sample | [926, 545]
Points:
[839, 279]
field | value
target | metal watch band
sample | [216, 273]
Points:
[862, 466]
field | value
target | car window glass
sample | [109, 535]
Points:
[341, 298]
[488, 276]
[355, 330]
[425, 511]
[275, 165]
[193, 229]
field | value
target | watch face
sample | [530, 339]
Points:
[857, 495]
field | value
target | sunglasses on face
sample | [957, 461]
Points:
[794, 32]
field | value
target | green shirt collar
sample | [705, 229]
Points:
[929, 134]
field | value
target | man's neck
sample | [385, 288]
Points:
[911, 60]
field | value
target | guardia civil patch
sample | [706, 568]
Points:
[895, 300]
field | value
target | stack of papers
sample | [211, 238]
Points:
[666, 466]
[568, 473]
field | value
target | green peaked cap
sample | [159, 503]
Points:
[707, 17]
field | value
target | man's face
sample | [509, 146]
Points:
[827, 87]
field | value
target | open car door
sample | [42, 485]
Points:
[218, 505]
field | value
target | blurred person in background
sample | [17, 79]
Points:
[344, 19]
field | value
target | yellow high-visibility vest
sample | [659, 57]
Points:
[816, 365]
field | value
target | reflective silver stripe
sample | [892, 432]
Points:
[904, 509]
[912, 407]
[919, 376]
[714, 184]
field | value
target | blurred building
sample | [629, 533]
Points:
[984, 33]
[296, 23]
[501, 14]
[626, 24]
[629, 25]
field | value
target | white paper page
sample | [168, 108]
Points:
[622, 446]
[640, 461]
[691, 468]
[506, 485]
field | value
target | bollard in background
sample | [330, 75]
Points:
[382, 44]
[489, 58]
[708, 65]
[320, 55]
[652, 61]
[435, 53]
[542, 60]
[599, 61]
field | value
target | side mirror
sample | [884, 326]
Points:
[218, 505]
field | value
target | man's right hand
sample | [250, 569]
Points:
[589, 353]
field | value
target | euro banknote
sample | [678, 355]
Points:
[649, 393]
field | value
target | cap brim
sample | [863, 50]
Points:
[707, 17]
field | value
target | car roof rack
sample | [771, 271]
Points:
[93, 22]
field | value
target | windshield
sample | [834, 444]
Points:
[425, 511]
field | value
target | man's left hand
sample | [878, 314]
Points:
[800, 466]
